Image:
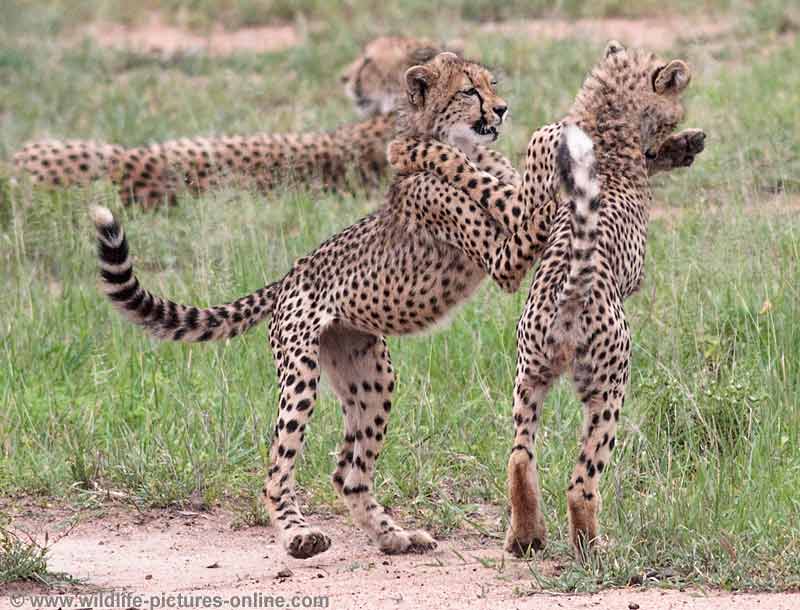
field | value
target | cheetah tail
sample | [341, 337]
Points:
[162, 318]
[69, 162]
[576, 164]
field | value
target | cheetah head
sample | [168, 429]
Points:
[639, 87]
[374, 81]
[453, 100]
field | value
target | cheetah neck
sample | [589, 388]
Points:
[618, 143]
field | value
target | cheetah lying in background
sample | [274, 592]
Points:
[151, 175]
[397, 271]
[594, 259]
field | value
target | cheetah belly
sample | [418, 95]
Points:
[414, 290]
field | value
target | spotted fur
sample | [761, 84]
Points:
[593, 260]
[58, 163]
[399, 270]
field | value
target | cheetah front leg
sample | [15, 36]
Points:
[450, 217]
[361, 374]
[493, 163]
[503, 201]
[678, 150]
[522, 230]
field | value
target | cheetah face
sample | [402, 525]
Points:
[455, 101]
[374, 81]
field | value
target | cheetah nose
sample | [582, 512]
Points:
[500, 111]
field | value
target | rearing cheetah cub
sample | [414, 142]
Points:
[397, 271]
[594, 259]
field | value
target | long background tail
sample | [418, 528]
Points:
[67, 163]
[576, 164]
[161, 317]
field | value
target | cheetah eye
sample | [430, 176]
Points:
[472, 91]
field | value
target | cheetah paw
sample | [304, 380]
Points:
[401, 541]
[524, 546]
[307, 544]
[680, 149]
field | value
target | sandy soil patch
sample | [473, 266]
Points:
[158, 37]
[656, 33]
[171, 552]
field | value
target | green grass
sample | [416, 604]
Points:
[703, 488]
[23, 558]
[20, 559]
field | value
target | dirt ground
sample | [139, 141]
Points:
[656, 33]
[155, 35]
[199, 553]
[158, 37]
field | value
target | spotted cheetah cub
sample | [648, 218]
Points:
[397, 271]
[594, 259]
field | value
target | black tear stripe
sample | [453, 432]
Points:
[357, 88]
[480, 101]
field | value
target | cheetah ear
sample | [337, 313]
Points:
[418, 81]
[448, 56]
[672, 78]
[456, 45]
[423, 55]
[613, 47]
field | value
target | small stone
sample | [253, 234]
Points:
[148, 577]
[284, 573]
[633, 606]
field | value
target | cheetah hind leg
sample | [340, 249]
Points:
[299, 376]
[361, 374]
[526, 530]
[602, 401]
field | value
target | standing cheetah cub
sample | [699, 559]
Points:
[574, 318]
[397, 271]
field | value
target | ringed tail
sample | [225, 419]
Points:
[577, 167]
[161, 317]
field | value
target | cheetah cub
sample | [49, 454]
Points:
[397, 271]
[154, 174]
[618, 132]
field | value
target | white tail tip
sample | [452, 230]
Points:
[101, 216]
[579, 145]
